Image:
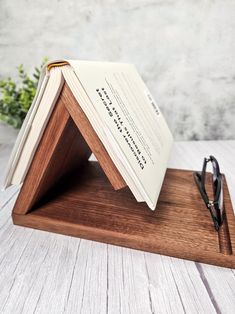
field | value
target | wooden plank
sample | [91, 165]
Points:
[92, 139]
[181, 290]
[63, 275]
[215, 279]
[61, 150]
[177, 227]
[108, 278]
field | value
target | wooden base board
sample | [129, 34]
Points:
[86, 205]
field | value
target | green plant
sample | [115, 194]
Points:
[16, 97]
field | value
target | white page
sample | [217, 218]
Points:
[24, 131]
[38, 124]
[119, 96]
[101, 130]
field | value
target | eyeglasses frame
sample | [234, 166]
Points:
[214, 206]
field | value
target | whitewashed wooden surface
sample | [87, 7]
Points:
[45, 273]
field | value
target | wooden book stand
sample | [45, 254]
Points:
[65, 193]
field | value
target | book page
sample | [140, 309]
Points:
[38, 124]
[24, 130]
[101, 130]
[128, 110]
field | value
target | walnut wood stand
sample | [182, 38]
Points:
[65, 193]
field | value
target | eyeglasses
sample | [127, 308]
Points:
[215, 207]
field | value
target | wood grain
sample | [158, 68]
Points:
[92, 139]
[85, 205]
[47, 272]
[61, 150]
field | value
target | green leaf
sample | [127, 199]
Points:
[16, 98]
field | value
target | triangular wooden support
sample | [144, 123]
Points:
[67, 143]
[63, 192]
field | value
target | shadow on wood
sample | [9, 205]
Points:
[64, 193]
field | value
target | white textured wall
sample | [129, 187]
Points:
[185, 50]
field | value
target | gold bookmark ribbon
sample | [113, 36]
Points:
[56, 64]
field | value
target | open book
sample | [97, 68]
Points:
[121, 111]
